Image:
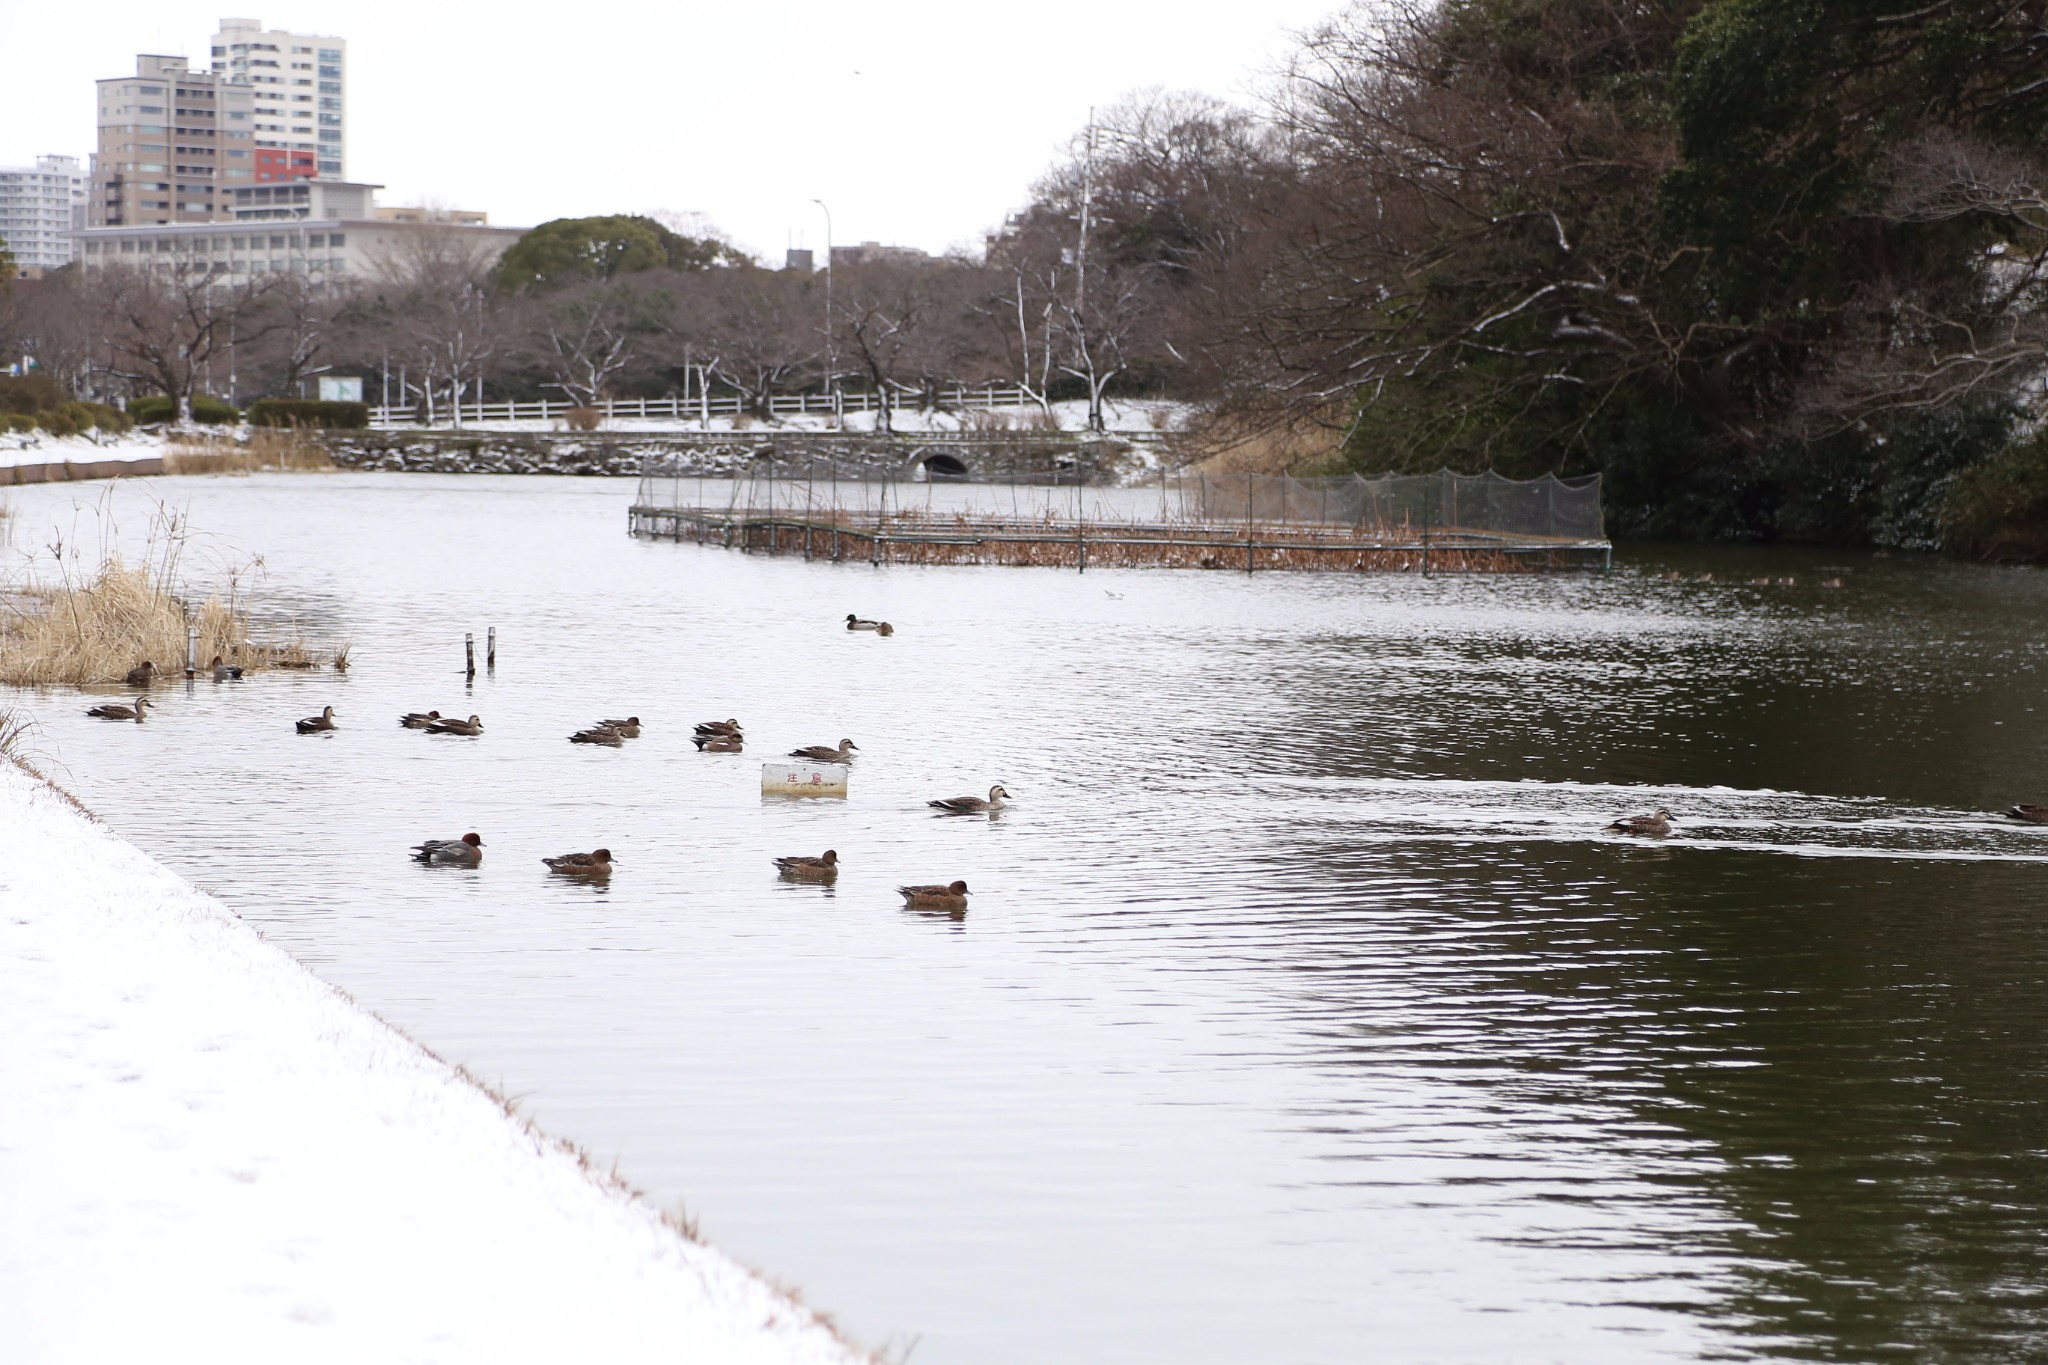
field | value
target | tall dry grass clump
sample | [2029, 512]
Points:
[80, 629]
[266, 448]
[95, 631]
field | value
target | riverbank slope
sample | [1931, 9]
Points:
[205, 1150]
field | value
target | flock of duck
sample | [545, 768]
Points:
[711, 736]
[728, 737]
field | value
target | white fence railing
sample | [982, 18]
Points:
[689, 409]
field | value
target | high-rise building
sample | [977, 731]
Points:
[299, 81]
[172, 143]
[40, 207]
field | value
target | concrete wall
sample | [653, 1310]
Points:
[62, 470]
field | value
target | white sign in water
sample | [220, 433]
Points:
[803, 779]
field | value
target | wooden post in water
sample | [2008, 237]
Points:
[1248, 523]
[468, 655]
[491, 650]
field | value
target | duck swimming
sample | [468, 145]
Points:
[599, 734]
[718, 727]
[222, 671]
[472, 726]
[819, 753]
[819, 869]
[629, 728]
[972, 805]
[1657, 825]
[467, 851]
[117, 712]
[860, 623]
[313, 725]
[719, 744]
[594, 864]
[949, 897]
[142, 674]
[2032, 814]
[418, 720]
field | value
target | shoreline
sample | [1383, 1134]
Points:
[202, 1141]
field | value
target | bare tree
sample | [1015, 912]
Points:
[164, 323]
[756, 330]
[434, 306]
[583, 335]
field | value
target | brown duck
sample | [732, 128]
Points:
[950, 897]
[418, 720]
[597, 863]
[973, 805]
[2032, 814]
[820, 869]
[719, 744]
[718, 727]
[819, 753]
[113, 711]
[142, 674]
[224, 671]
[472, 726]
[629, 728]
[599, 734]
[313, 725]
[1656, 825]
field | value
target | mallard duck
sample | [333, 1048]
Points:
[885, 629]
[142, 674]
[822, 868]
[718, 727]
[418, 720]
[472, 726]
[599, 734]
[2033, 815]
[818, 753]
[859, 623]
[629, 728]
[972, 805]
[594, 864]
[1657, 824]
[222, 671]
[313, 725]
[467, 851]
[114, 711]
[950, 897]
[719, 744]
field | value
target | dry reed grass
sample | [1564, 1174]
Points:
[266, 448]
[79, 629]
[1229, 445]
[583, 419]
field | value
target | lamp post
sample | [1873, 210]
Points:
[831, 359]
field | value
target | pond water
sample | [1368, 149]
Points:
[1303, 1012]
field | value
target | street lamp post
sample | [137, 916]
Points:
[831, 358]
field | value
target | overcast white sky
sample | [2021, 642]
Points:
[918, 122]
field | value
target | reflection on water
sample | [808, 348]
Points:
[1302, 1011]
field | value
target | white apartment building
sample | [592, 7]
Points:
[40, 207]
[324, 230]
[300, 82]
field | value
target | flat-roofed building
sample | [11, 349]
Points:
[41, 206]
[299, 85]
[324, 230]
[172, 142]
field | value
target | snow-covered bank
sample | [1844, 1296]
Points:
[205, 1153]
[41, 458]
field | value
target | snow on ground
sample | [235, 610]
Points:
[42, 448]
[206, 1154]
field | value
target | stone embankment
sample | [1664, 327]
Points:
[59, 471]
[714, 454]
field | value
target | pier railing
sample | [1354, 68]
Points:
[958, 398]
[1433, 522]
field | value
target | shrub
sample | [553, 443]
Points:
[152, 409]
[1999, 510]
[30, 393]
[156, 408]
[306, 412]
[583, 419]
